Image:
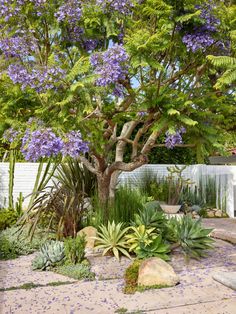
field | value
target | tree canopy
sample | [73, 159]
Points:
[113, 78]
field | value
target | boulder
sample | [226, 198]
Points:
[154, 271]
[226, 278]
[89, 232]
[218, 213]
[210, 214]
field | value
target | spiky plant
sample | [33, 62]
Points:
[150, 217]
[140, 234]
[193, 239]
[111, 239]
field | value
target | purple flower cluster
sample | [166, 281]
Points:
[76, 35]
[174, 139]
[202, 36]
[41, 79]
[40, 143]
[69, 12]
[10, 135]
[10, 8]
[17, 46]
[74, 145]
[111, 65]
[142, 114]
[121, 6]
[43, 142]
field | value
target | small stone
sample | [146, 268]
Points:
[89, 232]
[226, 278]
[218, 213]
[154, 271]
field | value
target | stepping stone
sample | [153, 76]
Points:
[226, 278]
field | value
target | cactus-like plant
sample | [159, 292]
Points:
[157, 248]
[51, 253]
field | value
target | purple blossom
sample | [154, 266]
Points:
[74, 145]
[17, 46]
[142, 114]
[201, 36]
[10, 135]
[40, 79]
[111, 65]
[70, 12]
[121, 6]
[174, 139]
[40, 143]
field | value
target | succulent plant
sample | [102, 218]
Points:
[150, 217]
[193, 239]
[157, 248]
[140, 234]
[51, 253]
[111, 239]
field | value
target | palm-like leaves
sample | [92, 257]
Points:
[111, 239]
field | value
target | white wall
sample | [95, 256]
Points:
[25, 174]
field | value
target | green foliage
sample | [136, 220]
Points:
[75, 249]
[50, 254]
[150, 217]
[193, 239]
[111, 239]
[8, 217]
[131, 277]
[126, 204]
[140, 234]
[60, 207]
[78, 271]
[11, 171]
[156, 248]
[15, 241]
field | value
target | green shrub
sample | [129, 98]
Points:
[78, 271]
[8, 217]
[131, 277]
[75, 249]
[50, 254]
[111, 239]
[156, 248]
[15, 241]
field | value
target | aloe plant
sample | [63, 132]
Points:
[140, 234]
[156, 248]
[111, 239]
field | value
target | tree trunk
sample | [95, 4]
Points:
[104, 181]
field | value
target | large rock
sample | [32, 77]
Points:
[89, 232]
[226, 278]
[155, 271]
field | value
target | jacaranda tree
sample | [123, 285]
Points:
[112, 79]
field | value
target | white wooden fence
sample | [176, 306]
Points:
[25, 174]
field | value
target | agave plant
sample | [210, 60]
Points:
[50, 254]
[140, 234]
[193, 239]
[150, 217]
[111, 239]
[156, 248]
